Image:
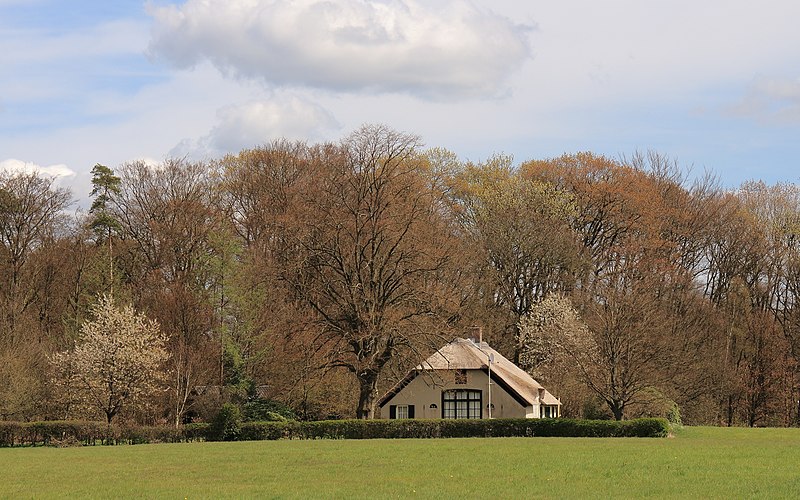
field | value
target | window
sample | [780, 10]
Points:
[460, 377]
[401, 411]
[462, 404]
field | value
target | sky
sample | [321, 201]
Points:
[713, 85]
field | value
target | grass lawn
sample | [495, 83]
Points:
[699, 462]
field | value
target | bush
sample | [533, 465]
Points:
[226, 425]
[52, 432]
[674, 415]
[262, 431]
[149, 434]
[595, 409]
[266, 410]
[198, 431]
[10, 433]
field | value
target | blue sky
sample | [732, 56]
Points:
[714, 85]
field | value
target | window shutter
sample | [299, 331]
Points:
[410, 411]
[392, 411]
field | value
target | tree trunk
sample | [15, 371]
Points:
[109, 434]
[752, 414]
[368, 389]
[730, 411]
[617, 408]
[797, 414]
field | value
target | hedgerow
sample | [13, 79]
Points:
[88, 433]
[76, 432]
[421, 429]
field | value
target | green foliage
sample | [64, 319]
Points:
[78, 432]
[48, 433]
[394, 429]
[263, 431]
[674, 415]
[196, 431]
[595, 409]
[226, 425]
[139, 434]
[105, 185]
[236, 379]
[260, 410]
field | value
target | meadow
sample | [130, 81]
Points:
[697, 462]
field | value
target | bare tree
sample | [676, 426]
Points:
[375, 254]
[521, 228]
[29, 208]
[172, 235]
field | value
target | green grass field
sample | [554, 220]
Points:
[696, 463]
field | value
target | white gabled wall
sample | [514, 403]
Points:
[426, 389]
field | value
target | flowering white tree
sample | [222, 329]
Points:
[117, 359]
[552, 326]
[617, 357]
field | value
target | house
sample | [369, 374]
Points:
[468, 379]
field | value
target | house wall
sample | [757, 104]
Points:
[426, 389]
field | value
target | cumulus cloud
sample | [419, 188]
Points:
[246, 125]
[771, 99]
[444, 48]
[18, 166]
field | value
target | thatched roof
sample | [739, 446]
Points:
[464, 354]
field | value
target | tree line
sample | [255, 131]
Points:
[315, 275]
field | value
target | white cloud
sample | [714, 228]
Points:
[243, 126]
[150, 162]
[600, 54]
[257, 122]
[774, 100]
[18, 166]
[446, 48]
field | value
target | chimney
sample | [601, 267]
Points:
[476, 334]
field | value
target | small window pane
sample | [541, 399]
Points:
[402, 411]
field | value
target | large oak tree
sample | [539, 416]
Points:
[375, 255]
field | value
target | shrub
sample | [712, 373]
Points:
[674, 415]
[226, 425]
[52, 432]
[9, 432]
[149, 434]
[260, 431]
[266, 410]
[198, 431]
